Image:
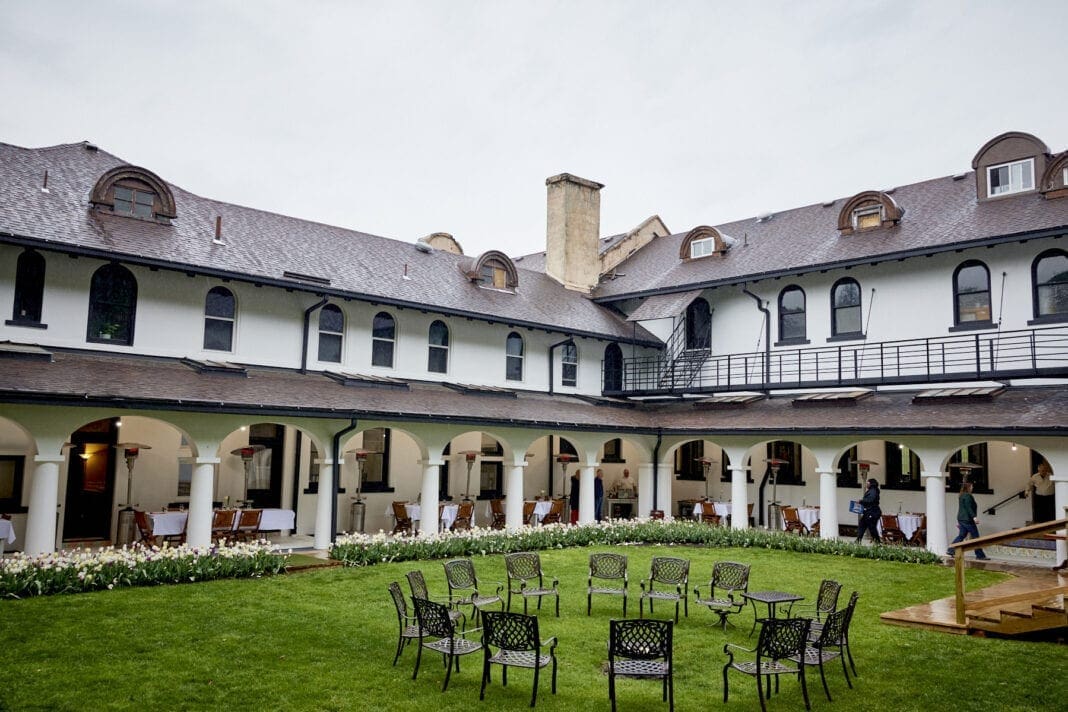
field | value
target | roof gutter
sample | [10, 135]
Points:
[336, 487]
[307, 324]
[767, 336]
[568, 340]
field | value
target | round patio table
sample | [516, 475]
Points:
[772, 599]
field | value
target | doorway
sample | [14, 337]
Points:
[91, 482]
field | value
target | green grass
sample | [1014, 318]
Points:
[324, 639]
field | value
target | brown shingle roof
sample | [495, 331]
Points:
[94, 379]
[265, 245]
[938, 213]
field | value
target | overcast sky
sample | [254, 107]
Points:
[406, 118]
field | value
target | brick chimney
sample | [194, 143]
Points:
[573, 232]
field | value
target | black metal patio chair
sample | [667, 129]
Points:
[518, 643]
[729, 577]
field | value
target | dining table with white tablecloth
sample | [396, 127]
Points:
[7, 533]
[173, 523]
[722, 509]
[907, 523]
[448, 513]
[541, 508]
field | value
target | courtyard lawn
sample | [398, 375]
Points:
[324, 639]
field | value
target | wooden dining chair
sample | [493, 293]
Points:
[248, 525]
[919, 537]
[222, 524]
[892, 533]
[404, 522]
[464, 514]
[528, 511]
[499, 518]
[793, 521]
[555, 515]
[144, 528]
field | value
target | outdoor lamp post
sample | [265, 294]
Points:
[246, 454]
[863, 468]
[130, 451]
[966, 469]
[469, 458]
[706, 465]
[775, 463]
[358, 512]
[563, 458]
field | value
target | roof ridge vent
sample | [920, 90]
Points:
[960, 176]
[828, 203]
[764, 217]
[423, 247]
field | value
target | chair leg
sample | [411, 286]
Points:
[485, 677]
[760, 692]
[624, 604]
[554, 673]
[849, 652]
[845, 670]
[589, 603]
[418, 658]
[534, 695]
[671, 692]
[612, 687]
[804, 687]
[448, 672]
[400, 647]
[726, 690]
[823, 677]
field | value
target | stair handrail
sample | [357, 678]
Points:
[961, 547]
[993, 509]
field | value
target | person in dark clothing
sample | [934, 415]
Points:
[967, 521]
[574, 497]
[598, 495]
[871, 514]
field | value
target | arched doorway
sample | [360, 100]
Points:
[698, 325]
[613, 368]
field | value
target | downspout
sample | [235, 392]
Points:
[656, 465]
[307, 323]
[568, 340]
[767, 335]
[336, 454]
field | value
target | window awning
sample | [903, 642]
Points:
[662, 306]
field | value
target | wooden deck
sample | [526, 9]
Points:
[1033, 600]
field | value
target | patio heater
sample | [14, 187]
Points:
[966, 469]
[469, 458]
[863, 468]
[358, 511]
[706, 466]
[247, 453]
[774, 508]
[124, 533]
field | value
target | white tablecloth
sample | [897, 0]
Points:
[541, 508]
[448, 514]
[7, 532]
[173, 523]
[808, 515]
[723, 509]
[908, 523]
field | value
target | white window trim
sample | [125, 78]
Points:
[697, 247]
[865, 211]
[1011, 191]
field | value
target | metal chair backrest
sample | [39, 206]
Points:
[523, 566]
[417, 583]
[641, 639]
[433, 618]
[730, 576]
[510, 631]
[460, 575]
[827, 598]
[399, 602]
[781, 638]
[608, 566]
[669, 570]
[833, 629]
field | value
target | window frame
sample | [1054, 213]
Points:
[1030, 162]
[515, 360]
[381, 484]
[836, 332]
[136, 189]
[569, 357]
[864, 211]
[978, 454]
[380, 344]
[230, 320]
[686, 466]
[803, 311]
[328, 336]
[30, 270]
[18, 467]
[612, 451]
[897, 475]
[99, 320]
[1040, 318]
[959, 323]
[441, 350]
[706, 245]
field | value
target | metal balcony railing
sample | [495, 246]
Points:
[1028, 353]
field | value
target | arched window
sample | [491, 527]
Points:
[698, 325]
[846, 308]
[438, 342]
[1049, 277]
[331, 333]
[613, 368]
[112, 306]
[220, 310]
[29, 288]
[569, 364]
[383, 338]
[792, 326]
[513, 361]
[971, 293]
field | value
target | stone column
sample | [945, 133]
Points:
[41, 520]
[828, 503]
[429, 522]
[664, 498]
[201, 490]
[325, 504]
[935, 485]
[513, 498]
[586, 494]
[1060, 510]
[739, 498]
[645, 489]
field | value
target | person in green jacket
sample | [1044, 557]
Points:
[967, 521]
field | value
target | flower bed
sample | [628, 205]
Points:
[81, 570]
[367, 549]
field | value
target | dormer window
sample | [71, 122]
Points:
[137, 200]
[870, 210]
[702, 248]
[493, 274]
[1008, 178]
[492, 270]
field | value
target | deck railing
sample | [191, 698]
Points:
[1027, 353]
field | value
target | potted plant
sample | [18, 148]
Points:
[109, 330]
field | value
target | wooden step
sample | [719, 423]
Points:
[1021, 616]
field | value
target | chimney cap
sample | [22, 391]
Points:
[567, 177]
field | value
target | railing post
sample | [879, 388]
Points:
[1034, 352]
[958, 575]
[978, 359]
[728, 370]
[839, 364]
[882, 363]
[927, 357]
